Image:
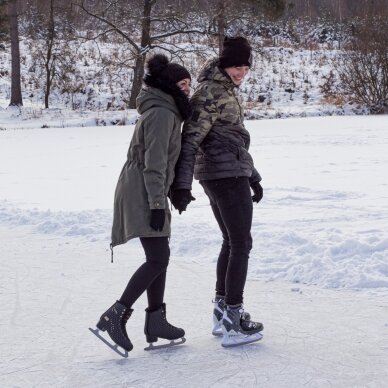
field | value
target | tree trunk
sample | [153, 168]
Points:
[141, 55]
[47, 88]
[137, 80]
[49, 65]
[221, 24]
[16, 90]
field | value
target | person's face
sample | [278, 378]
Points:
[237, 73]
[184, 85]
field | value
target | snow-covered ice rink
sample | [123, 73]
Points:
[318, 276]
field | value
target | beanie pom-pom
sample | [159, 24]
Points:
[157, 64]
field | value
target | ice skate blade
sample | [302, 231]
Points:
[229, 341]
[115, 347]
[164, 346]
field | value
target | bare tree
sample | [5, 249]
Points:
[4, 28]
[363, 69]
[338, 9]
[155, 30]
[49, 58]
[225, 16]
[16, 90]
[48, 24]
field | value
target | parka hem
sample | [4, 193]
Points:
[160, 234]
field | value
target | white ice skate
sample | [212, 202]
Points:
[238, 329]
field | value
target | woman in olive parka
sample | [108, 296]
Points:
[140, 203]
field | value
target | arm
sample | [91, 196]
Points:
[255, 177]
[195, 129]
[158, 127]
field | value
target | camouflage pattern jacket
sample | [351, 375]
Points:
[215, 142]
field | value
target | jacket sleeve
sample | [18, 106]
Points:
[205, 113]
[255, 177]
[158, 128]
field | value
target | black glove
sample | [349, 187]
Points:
[158, 217]
[257, 191]
[180, 198]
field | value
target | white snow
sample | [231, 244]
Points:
[283, 82]
[318, 276]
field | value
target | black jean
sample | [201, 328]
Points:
[231, 202]
[151, 275]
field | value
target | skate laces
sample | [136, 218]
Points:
[245, 316]
[220, 303]
[246, 321]
[164, 317]
[249, 324]
[126, 315]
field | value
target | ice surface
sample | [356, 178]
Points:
[318, 276]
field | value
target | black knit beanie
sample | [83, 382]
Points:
[163, 75]
[159, 67]
[177, 72]
[235, 52]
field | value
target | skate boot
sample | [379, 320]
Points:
[218, 312]
[113, 321]
[237, 327]
[156, 326]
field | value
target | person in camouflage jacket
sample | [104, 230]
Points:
[214, 149]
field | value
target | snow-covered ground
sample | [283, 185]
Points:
[318, 276]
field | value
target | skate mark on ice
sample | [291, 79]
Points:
[16, 309]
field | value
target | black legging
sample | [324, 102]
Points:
[151, 275]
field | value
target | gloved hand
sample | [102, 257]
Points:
[158, 217]
[180, 198]
[257, 191]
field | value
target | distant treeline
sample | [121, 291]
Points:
[180, 27]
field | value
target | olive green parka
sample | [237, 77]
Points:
[147, 175]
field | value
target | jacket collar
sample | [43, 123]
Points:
[211, 72]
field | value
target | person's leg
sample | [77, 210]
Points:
[151, 275]
[155, 250]
[232, 197]
[223, 257]
[156, 323]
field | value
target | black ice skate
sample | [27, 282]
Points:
[218, 312]
[156, 326]
[238, 329]
[113, 321]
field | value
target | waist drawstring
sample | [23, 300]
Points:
[170, 196]
[111, 252]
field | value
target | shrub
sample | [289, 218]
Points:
[363, 69]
